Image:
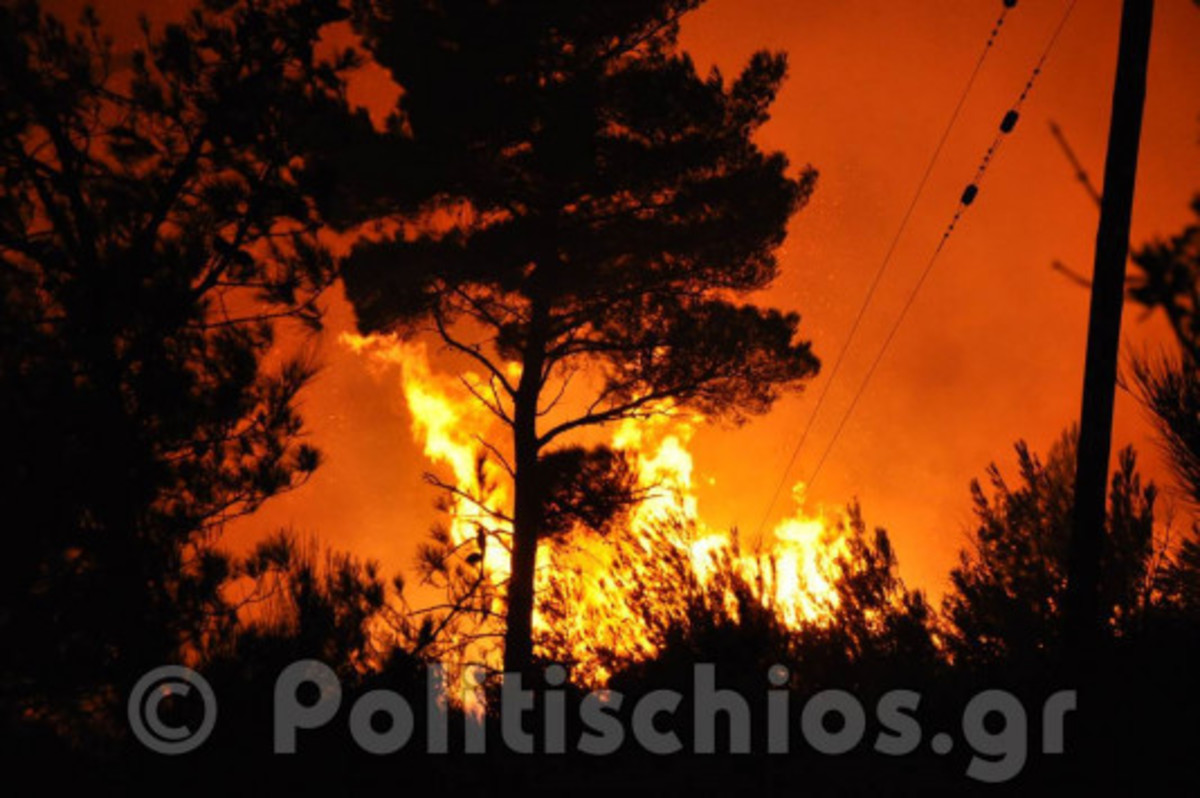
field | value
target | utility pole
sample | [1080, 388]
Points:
[1083, 611]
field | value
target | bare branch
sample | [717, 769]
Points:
[472, 352]
[494, 407]
[437, 482]
[498, 455]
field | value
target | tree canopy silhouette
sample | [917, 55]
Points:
[1008, 589]
[600, 210]
[1167, 278]
[151, 230]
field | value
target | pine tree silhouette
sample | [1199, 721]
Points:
[596, 209]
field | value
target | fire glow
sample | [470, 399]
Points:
[793, 573]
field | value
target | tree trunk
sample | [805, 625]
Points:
[518, 635]
[527, 511]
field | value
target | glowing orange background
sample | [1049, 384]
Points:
[991, 352]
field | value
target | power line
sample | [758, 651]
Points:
[968, 196]
[879, 273]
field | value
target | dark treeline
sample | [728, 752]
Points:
[165, 220]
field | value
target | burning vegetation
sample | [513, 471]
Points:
[607, 588]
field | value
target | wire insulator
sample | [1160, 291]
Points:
[969, 193]
[1009, 121]
[1010, 3]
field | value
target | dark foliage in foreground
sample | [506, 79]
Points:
[152, 231]
[881, 637]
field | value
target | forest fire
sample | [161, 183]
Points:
[593, 590]
[591, 271]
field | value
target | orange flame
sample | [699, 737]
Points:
[795, 574]
[449, 425]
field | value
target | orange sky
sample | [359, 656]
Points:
[991, 352]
